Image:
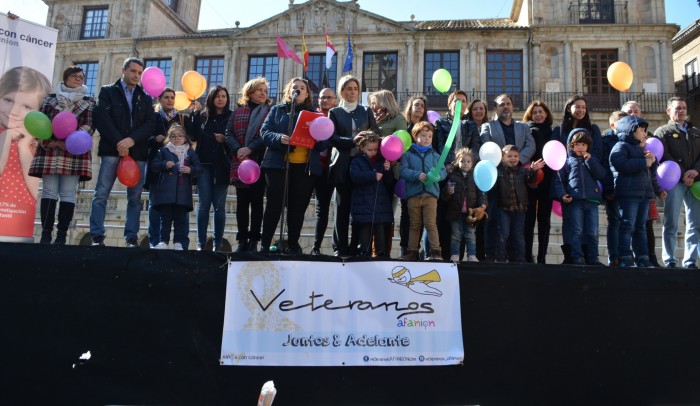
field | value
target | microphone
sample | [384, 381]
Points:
[296, 93]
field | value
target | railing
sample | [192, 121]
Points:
[599, 12]
[74, 32]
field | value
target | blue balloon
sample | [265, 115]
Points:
[485, 175]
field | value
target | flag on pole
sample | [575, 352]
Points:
[348, 58]
[330, 51]
[305, 53]
[284, 51]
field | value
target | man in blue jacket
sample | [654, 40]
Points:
[124, 118]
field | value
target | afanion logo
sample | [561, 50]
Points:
[420, 284]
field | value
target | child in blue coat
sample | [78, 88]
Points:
[171, 192]
[634, 170]
[422, 191]
[373, 186]
[577, 186]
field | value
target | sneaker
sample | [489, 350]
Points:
[454, 258]
[671, 265]
[177, 246]
[161, 246]
[691, 266]
[315, 251]
[200, 247]
[472, 258]
[644, 263]
[627, 263]
[132, 243]
[98, 241]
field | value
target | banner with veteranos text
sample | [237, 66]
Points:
[27, 52]
[297, 313]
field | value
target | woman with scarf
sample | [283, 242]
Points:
[288, 169]
[165, 117]
[386, 112]
[60, 170]
[349, 118]
[207, 130]
[244, 140]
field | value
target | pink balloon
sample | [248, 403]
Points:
[153, 81]
[63, 124]
[321, 128]
[249, 171]
[392, 148]
[78, 143]
[556, 208]
[554, 154]
[433, 116]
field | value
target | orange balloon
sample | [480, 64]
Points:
[194, 84]
[620, 76]
[182, 101]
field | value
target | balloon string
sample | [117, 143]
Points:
[450, 138]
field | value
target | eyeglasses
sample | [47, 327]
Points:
[326, 98]
[76, 76]
[176, 136]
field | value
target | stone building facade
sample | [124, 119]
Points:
[546, 49]
[686, 67]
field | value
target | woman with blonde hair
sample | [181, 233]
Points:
[244, 140]
[386, 112]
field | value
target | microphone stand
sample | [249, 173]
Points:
[285, 193]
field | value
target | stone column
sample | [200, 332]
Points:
[526, 67]
[410, 71]
[535, 84]
[235, 63]
[567, 67]
[481, 79]
[664, 86]
[473, 73]
[228, 72]
[463, 66]
[632, 60]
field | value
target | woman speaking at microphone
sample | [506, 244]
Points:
[303, 165]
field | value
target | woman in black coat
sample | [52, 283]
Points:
[208, 129]
[349, 118]
[539, 207]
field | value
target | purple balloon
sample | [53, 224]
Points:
[656, 147]
[321, 128]
[668, 174]
[78, 142]
[392, 148]
[63, 124]
[433, 116]
[400, 188]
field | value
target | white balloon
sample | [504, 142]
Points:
[490, 151]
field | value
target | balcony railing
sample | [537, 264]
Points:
[600, 12]
[74, 32]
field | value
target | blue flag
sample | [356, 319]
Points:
[348, 59]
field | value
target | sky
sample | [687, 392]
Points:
[224, 13]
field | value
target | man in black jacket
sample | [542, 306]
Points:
[124, 118]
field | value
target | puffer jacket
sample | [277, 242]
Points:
[465, 187]
[609, 141]
[632, 177]
[685, 151]
[275, 126]
[468, 131]
[371, 200]
[412, 164]
[342, 139]
[171, 186]
[579, 177]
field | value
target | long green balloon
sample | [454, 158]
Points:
[434, 173]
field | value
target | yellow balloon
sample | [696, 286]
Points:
[182, 101]
[194, 84]
[620, 76]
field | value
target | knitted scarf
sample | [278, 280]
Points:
[180, 151]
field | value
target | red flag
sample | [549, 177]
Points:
[330, 51]
[284, 51]
[305, 53]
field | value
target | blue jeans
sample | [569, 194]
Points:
[462, 232]
[63, 186]
[511, 225]
[583, 218]
[677, 195]
[105, 182]
[633, 228]
[210, 194]
[612, 209]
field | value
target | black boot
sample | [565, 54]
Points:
[242, 246]
[65, 216]
[252, 246]
[654, 261]
[48, 215]
[566, 250]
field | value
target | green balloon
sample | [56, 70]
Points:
[442, 80]
[38, 125]
[405, 138]
[695, 189]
